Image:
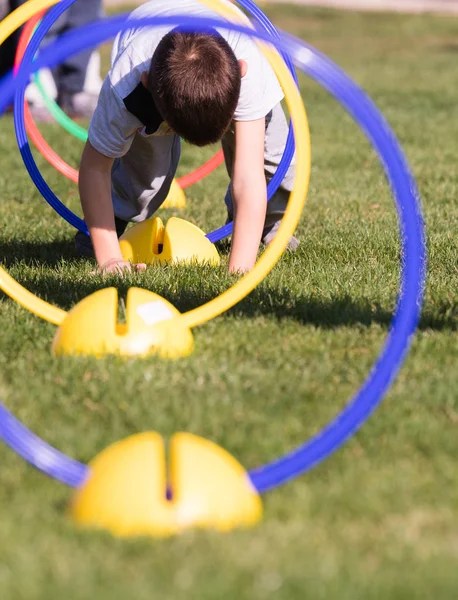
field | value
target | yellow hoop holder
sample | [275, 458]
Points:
[210, 310]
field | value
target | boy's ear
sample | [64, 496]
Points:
[144, 79]
[243, 67]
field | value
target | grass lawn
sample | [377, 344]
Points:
[379, 519]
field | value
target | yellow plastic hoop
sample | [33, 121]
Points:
[244, 286]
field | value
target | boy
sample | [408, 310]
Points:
[165, 84]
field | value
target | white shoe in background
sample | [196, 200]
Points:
[32, 94]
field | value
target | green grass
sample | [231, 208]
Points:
[378, 519]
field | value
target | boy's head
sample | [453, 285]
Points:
[195, 81]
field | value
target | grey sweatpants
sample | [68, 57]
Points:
[71, 74]
[142, 178]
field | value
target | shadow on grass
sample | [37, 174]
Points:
[265, 300]
[48, 254]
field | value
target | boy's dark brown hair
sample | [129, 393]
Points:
[195, 81]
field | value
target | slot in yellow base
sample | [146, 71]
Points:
[153, 326]
[126, 490]
[178, 241]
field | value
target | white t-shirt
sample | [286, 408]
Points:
[124, 109]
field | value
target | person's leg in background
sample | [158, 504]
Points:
[7, 57]
[77, 80]
[71, 76]
[8, 48]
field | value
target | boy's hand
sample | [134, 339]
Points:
[249, 194]
[95, 194]
[120, 266]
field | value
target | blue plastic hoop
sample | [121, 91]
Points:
[29, 161]
[408, 309]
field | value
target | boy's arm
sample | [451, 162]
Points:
[95, 194]
[110, 134]
[249, 194]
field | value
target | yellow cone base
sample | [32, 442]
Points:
[153, 326]
[179, 241]
[126, 490]
[176, 197]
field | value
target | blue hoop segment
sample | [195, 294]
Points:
[408, 309]
[29, 161]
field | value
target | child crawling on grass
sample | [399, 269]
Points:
[203, 87]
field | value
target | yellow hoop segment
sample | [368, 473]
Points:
[296, 202]
[244, 286]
